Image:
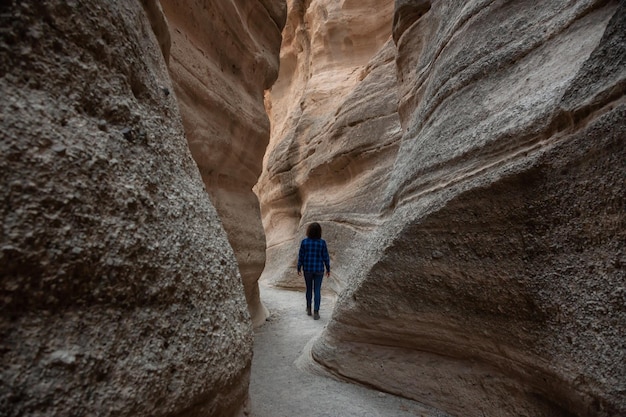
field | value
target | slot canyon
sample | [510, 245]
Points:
[161, 160]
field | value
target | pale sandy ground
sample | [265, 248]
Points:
[278, 388]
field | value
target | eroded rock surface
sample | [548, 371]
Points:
[224, 55]
[485, 274]
[120, 292]
[332, 145]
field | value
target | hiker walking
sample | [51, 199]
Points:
[312, 259]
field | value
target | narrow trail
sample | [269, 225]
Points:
[278, 388]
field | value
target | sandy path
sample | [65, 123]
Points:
[278, 388]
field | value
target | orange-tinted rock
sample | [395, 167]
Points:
[223, 56]
[332, 144]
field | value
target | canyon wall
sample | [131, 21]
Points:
[484, 273]
[224, 55]
[332, 145]
[121, 295]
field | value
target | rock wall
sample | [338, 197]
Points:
[120, 292]
[332, 146]
[223, 56]
[485, 274]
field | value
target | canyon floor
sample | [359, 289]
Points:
[281, 388]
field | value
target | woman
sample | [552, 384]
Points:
[312, 259]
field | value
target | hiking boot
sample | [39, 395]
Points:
[316, 315]
[308, 311]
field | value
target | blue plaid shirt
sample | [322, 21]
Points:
[313, 256]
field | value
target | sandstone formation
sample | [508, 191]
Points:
[485, 274]
[332, 146]
[224, 55]
[120, 292]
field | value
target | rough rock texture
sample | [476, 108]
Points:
[485, 275]
[332, 146]
[120, 293]
[224, 55]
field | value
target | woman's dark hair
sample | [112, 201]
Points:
[314, 231]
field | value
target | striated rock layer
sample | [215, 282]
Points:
[223, 56]
[485, 274]
[332, 146]
[120, 292]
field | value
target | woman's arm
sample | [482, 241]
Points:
[300, 257]
[326, 258]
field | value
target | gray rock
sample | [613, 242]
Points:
[112, 253]
[507, 159]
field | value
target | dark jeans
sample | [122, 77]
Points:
[313, 284]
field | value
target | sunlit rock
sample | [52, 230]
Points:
[224, 55]
[335, 132]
